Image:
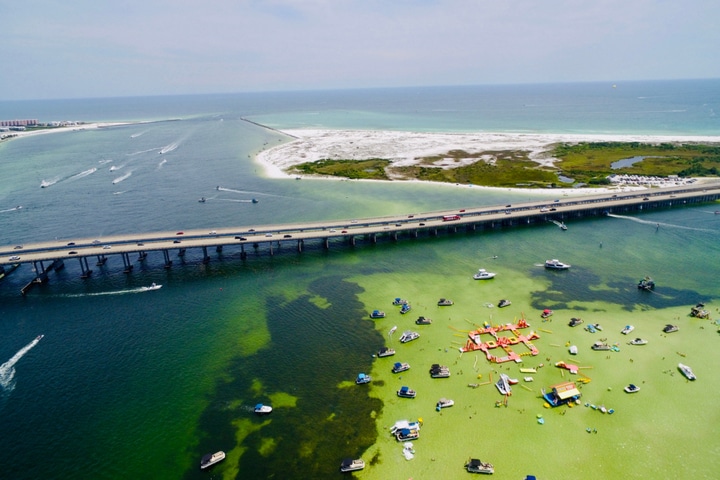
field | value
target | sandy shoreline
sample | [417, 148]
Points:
[404, 148]
[69, 128]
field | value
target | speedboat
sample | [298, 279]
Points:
[400, 367]
[377, 314]
[261, 409]
[423, 321]
[386, 352]
[483, 274]
[632, 388]
[444, 403]
[406, 392]
[504, 303]
[350, 465]
[687, 371]
[627, 329]
[475, 465]
[211, 459]
[362, 378]
[670, 328]
[202, 200]
[637, 341]
[575, 321]
[405, 308]
[439, 371]
[39, 337]
[444, 302]
[546, 313]
[556, 264]
[153, 286]
[408, 336]
[503, 385]
[405, 434]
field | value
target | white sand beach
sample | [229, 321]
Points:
[9, 135]
[406, 148]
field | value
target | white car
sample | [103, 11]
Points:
[15, 257]
[268, 234]
[106, 247]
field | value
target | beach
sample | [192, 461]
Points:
[408, 148]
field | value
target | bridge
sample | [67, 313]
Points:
[51, 255]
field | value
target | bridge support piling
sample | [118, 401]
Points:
[168, 262]
[373, 237]
[142, 256]
[181, 252]
[299, 245]
[84, 268]
[352, 240]
[101, 259]
[126, 263]
[326, 243]
[271, 249]
[206, 258]
[219, 249]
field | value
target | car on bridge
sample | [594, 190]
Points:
[72, 253]
[287, 236]
[13, 258]
[18, 247]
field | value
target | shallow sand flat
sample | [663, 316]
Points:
[404, 148]
[634, 442]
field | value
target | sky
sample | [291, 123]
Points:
[98, 48]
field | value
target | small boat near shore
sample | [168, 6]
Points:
[444, 403]
[445, 302]
[556, 264]
[409, 336]
[602, 346]
[670, 328]
[423, 321]
[504, 303]
[646, 284]
[406, 392]
[377, 314]
[211, 459]
[687, 371]
[350, 465]
[637, 341]
[406, 434]
[385, 352]
[632, 388]
[400, 367]
[575, 321]
[547, 313]
[439, 371]
[153, 286]
[627, 329]
[405, 308]
[399, 301]
[363, 379]
[475, 465]
[483, 274]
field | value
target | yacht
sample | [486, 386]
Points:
[483, 274]
[556, 264]
[627, 329]
[687, 371]
[350, 465]
[211, 459]
[261, 409]
[400, 367]
[444, 403]
[478, 466]
[408, 336]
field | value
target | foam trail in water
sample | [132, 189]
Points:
[135, 135]
[169, 148]
[120, 179]
[7, 369]
[103, 162]
[83, 174]
[248, 192]
[48, 183]
[162, 163]
[658, 225]
[141, 151]
[14, 209]
[99, 294]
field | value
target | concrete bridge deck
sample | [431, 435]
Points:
[522, 213]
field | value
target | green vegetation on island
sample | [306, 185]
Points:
[587, 163]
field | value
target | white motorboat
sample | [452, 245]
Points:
[632, 388]
[627, 329]
[211, 459]
[153, 286]
[687, 371]
[408, 336]
[386, 352]
[261, 409]
[556, 264]
[362, 379]
[483, 274]
[637, 341]
[350, 465]
[400, 367]
[444, 403]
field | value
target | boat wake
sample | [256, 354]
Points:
[135, 135]
[7, 369]
[49, 183]
[119, 193]
[116, 292]
[168, 148]
[83, 174]
[247, 192]
[141, 152]
[14, 209]
[162, 163]
[120, 179]
[103, 162]
[116, 167]
[661, 224]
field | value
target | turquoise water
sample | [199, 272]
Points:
[129, 384]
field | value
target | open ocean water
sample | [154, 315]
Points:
[135, 384]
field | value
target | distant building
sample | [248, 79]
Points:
[19, 123]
